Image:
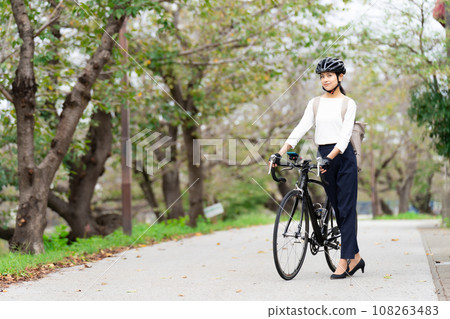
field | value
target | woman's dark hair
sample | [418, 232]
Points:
[341, 88]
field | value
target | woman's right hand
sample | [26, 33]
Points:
[275, 159]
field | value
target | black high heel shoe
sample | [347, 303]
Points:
[340, 276]
[361, 264]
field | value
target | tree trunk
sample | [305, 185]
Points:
[283, 188]
[170, 179]
[404, 189]
[376, 211]
[83, 178]
[191, 132]
[446, 194]
[35, 180]
[147, 189]
[422, 201]
[385, 208]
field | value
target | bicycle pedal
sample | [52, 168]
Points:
[335, 230]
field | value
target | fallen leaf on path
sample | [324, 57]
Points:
[79, 290]
[87, 266]
[429, 254]
[198, 234]
[103, 284]
[387, 276]
[261, 252]
[238, 291]
[377, 243]
[142, 245]
[3, 290]
[180, 295]
[131, 291]
[138, 256]
[395, 239]
[218, 244]
[405, 253]
[184, 277]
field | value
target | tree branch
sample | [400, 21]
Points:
[77, 100]
[231, 41]
[54, 16]
[7, 233]
[50, 20]
[58, 205]
[6, 93]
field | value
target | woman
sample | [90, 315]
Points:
[339, 162]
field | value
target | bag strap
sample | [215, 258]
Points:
[316, 101]
[344, 107]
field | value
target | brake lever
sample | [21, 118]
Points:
[270, 166]
[319, 160]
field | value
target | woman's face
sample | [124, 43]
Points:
[329, 80]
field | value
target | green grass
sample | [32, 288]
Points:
[57, 250]
[409, 215]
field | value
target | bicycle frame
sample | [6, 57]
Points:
[302, 186]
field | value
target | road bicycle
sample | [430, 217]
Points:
[306, 202]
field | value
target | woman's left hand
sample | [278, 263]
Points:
[325, 164]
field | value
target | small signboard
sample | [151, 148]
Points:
[213, 210]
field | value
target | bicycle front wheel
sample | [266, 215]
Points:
[290, 235]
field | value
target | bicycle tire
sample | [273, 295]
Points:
[290, 235]
[332, 252]
[332, 255]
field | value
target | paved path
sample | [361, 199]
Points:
[437, 245]
[238, 265]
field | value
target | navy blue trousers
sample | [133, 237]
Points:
[342, 190]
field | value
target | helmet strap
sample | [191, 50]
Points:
[333, 90]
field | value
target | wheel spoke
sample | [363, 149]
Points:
[289, 236]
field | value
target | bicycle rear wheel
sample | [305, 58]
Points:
[332, 248]
[290, 235]
[328, 224]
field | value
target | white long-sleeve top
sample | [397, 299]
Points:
[330, 128]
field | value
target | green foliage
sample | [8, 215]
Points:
[430, 108]
[407, 215]
[446, 222]
[245, 197]
[58, 239]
